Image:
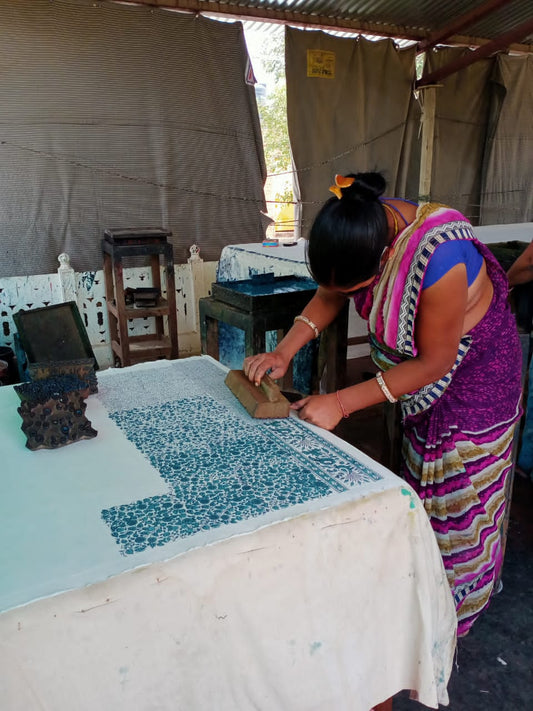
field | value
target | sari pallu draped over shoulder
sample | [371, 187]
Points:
[458, 431]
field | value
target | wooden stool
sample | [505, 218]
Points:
[116, 245]
[267, 303]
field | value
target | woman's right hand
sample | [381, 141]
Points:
[258, 365]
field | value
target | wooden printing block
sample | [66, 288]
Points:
[261, 401]
[53, 411]
[83, 368]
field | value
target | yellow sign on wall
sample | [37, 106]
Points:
[320, 64]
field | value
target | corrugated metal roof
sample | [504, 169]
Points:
[404, 19]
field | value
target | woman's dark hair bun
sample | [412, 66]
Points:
[366, 186]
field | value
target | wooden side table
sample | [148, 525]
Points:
[120, 244]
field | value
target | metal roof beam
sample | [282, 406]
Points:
[497, 45]
[300, 19]
[241, 12]
[466, 20]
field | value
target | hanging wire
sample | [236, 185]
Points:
[121, 175]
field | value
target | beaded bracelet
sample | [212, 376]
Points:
[384, 389]
[344, 413]
[309, 323]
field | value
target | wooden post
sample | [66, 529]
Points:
[429, 101]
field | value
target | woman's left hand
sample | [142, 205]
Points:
[320, 410]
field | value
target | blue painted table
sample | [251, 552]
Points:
[245, 261]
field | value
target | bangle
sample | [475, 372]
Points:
[384, 389]
[344, 413]
[309, 323]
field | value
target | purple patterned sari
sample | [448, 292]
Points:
[457, 432]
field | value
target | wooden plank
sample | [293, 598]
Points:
[428, 132]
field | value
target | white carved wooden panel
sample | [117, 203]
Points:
[25, 292]
[193, 281]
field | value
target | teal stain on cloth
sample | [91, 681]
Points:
[408, 493]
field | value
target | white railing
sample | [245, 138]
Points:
[87, 289]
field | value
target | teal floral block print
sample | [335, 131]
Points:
[221, 470]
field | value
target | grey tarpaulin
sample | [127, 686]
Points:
[461, 117]
[350, 114]
[357, 113]
[508, 185]
[121, 116]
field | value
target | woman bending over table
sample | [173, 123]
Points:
[446, 343]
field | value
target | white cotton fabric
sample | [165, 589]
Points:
[337, 603]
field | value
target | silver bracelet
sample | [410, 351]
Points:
[384, 389]
[309, 323]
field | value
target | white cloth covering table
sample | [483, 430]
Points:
[240, 261]
[190, 557]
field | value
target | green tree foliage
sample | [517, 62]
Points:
[273, 107]
[272, 56]
[273, 116]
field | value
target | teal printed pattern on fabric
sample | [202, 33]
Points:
[221, 470]
[340, 467]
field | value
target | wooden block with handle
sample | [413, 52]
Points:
[261, 401]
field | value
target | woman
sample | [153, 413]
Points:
[446, 343]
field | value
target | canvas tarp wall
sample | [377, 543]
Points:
[508, 176]
[118, 116]
[357, 113]
[461, 117]
[347, 108]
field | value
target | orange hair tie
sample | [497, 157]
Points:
[341, 182]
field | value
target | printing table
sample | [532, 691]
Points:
[189, 557]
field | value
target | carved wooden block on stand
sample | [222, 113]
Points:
[53, 412]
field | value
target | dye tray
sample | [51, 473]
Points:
[263, 291]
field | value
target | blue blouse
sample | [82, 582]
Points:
[447, 255]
